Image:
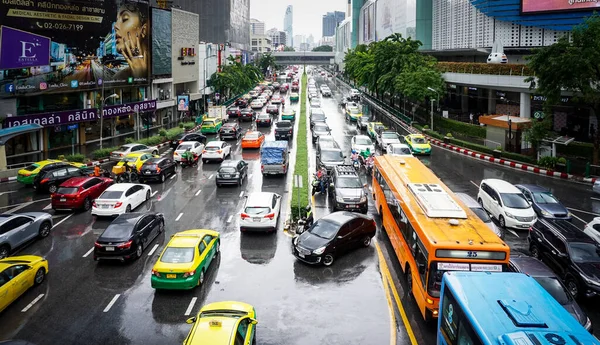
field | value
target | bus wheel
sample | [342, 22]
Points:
[409, 282]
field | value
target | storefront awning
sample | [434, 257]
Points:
[11, 132]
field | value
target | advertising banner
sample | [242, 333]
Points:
[391, 18]
[183, 103]
[80, 115]
[85, 36]
[538, 6]
[161, 42]
[21, 49]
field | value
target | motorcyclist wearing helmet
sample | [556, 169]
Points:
[188, 156]
[354, 156]
[366, 153]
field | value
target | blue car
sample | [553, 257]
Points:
[543, 202]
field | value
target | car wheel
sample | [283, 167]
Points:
[534, 251]
[162, 178]
[328, 260]
[201, 278]
[218, 185]
[87, 204]
[148, 195]
[52, 188]
[573, 287]
[502, 221]
[39, 276]
[128, 209]
[138, 251]
[204, 161]
[155, 152]
[4, 252]
[217, 248]
[366, 241]
[45, 229]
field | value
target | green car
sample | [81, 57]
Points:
[294, 97]
[374, 127]
[211, 125]
[288, 114]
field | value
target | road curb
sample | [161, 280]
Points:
[481, 156]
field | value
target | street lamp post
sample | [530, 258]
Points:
[204, 81]
[438, 96]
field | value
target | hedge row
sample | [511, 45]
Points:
[301, 165]
[576, 149]
[459, 127]
[485, 68]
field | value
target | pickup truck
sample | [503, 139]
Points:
[284, 130]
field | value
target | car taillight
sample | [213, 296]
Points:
[97, 245]
[531, 228]
[203, 151]
[244, 216]
[262, 168]
[290, 131]
[189, 274]
[180, 141]
[157, 170]
[118, 204]
[174, 153]
[270, 216]
[125, 245]
[45, 180]
[122, 154]
[219, 151]
[94, 204]
[155, 273]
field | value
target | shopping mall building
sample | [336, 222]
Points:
[464, 31]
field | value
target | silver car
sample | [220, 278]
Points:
[480, 212]
[19, 228]
[126, 149]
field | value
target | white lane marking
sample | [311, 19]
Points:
[88, 253]
[241, 194]
[153, 249]
[173, 176]
[198, 192]
[154, 193]
[39, 297]
[188, 311]
[48, 207]
[111, 303]
[249, 176]
[23, 204]
[15, 209]
[586, 212]
[513, 232]
[62, 220]
[10, 191]
[163, 196]
[474, 184]
[211, 176]
[229, 219]
[594, 198]
[579, 219]
[179, 217]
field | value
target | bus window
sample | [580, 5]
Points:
[455, 327]
[421, 260]
[435, 280]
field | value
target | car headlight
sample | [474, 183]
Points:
[295, 240]
[509, 215]
[319, 251]
[363, 198]
[588, 324]
[546, 214]
[339, 199]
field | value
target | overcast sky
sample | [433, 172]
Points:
[308, 14]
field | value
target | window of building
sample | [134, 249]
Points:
[21, 144]
[59, 136]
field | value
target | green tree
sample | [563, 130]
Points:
[323, 48]
[571, 65]
[235, 78]
[266, 61]
[288, 49]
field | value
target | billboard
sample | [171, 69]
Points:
[21, 49]
[183, 103]
[539, 6]
[85, 36]
[161, 42]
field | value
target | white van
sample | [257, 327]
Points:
[506, 203]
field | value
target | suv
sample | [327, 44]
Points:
[230, 130]
[330, 158]
[572, 255]
[347, 191]
[506, 203]
[233, 111]
[284, 130]
[187, 137]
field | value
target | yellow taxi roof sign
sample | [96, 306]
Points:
[215, 323]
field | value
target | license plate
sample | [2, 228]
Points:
[171, 276]
[110, 249]
[301, 255]
[256, 219]
[63, 200]
[226, 131]
[351, 206]
[104, 206]
[147, 172]
[226, 176]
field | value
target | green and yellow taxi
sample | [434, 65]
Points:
[183, 263]
[294, 97]
[211, 125]
[374, 127]
[288, 114]
[223, 323]
[418, 144]
[135, 160]
[28, 174]
[353, 113]
[18, 274]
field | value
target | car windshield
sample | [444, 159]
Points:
[257, 210]
[67, 190]
[129, 159]
[348, 182]
[212, 148]
[324, 229]
[363, 141]
[482, 214]
[545, 198]
[401, 151]
[354, 111]
[184, 147]
[124, 148]
[555, 288]
[119, 230]
[174, 255]
[252, 136]
[514, 200]
[111, 194]
[389, 136]
[208, 123]
[227, 170]
[584, 252]
[321, 128]
[419, 140]
[32, 167]
[264, 116]
[332, 156]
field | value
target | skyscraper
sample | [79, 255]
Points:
[330, 22]
[288, 23]
[257, 27]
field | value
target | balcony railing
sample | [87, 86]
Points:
[485, 68]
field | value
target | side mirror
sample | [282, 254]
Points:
[345, 157]
[191, 320]
[563, 255]
[253, 321]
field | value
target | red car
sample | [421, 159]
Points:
[78, 193]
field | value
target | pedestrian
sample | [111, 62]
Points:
[471, 118]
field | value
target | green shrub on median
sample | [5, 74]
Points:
[76, 158]
[301, 165]
[103, 153]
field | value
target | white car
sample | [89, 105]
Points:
[315, 103]
[121, 198]
[506, 203]
[216, 150]
[194, 147]
[126, 149]
[593, 229]
[361, 143]
[354, 93]
[257, 104]
[386, 138]
[401, 150]
[260, 212]
[326, 92]
[276, 100]
[263, 99]
[253, 94]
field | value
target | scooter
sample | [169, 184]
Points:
[369, 168]
[356, 164]
[305, 222]
[316, 184]
[190, 163]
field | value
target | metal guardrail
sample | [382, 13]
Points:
[18, 165]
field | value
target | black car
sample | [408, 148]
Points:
[264, 120]
[543, 202]
[551, 282]
[571, 253]
[242, 103]
[187, 137]
[51, 179]
[233, 111]
[230, 130]
[333, 235]
[157, 169]
[273, 109]
[232, 172]
[284, 130]
[128, 235]
[247, 114]
[346, 190]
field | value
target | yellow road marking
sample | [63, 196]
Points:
[388, 296]
[386, 273]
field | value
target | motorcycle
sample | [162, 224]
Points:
[305, 222]
[356, 164]
[127, 177]
[316, 184]
[190, 163]
[369, 168]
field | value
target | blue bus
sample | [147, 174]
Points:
[483, 308]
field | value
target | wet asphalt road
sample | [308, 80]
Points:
[348, 303]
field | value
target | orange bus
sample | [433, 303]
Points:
[430, 229]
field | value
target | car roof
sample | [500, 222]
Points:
[211, 119]
[252, 132]
[567, 230]
[362, 136]
[190, 238]
[121, 187]
[531, 266]
[76, 181]
[285, 122]
[154, 160]
[187, 142]
[230, 163]
[332, 149]
[230, 124]
[506, 187]
[135, 154]
[342, 217]
[401, 145]
[214, 143]
[130, 145]
[416, 136]
[128, 218]
[259, 199]
[533, 188]
[468, 200]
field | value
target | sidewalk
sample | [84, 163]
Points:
[403, 122]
